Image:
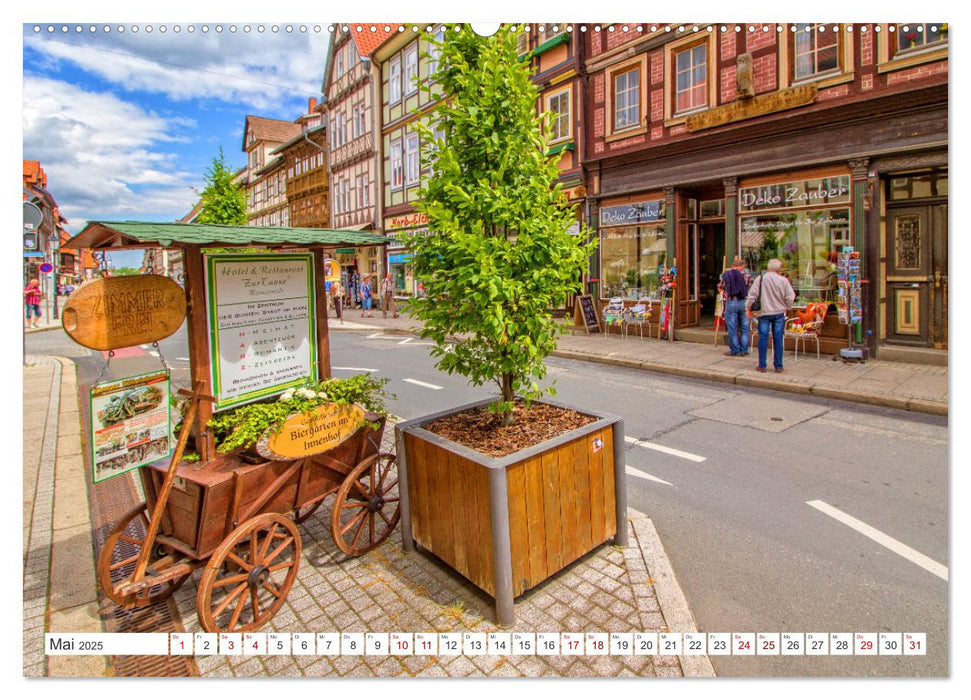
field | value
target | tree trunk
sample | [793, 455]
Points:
[507, 396]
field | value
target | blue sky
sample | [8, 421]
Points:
[125, 122]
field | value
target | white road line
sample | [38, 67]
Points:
[385, 337]
[410, 341]
[356, 369]
[887, 541]
[634, 471]
[183, 358]
[665, 450]
[424, 384]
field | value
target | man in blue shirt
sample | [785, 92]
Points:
[735, 286]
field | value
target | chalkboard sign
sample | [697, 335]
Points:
[587, 313]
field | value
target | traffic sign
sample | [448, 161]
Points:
[46, 268]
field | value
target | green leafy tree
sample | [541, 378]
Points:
[223, 200]
[497, 254]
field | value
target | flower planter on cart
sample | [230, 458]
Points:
[509, 523]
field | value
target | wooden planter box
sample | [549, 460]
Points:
[507, 524]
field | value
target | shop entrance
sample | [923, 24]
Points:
[916, 292]
[711, 264]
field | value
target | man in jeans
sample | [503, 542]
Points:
[776, 295]
[736, 287]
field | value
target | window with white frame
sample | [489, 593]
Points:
[434, 53]
[691, 78]
[522, 40]
[340, 61]
[815, 50]
[396, 174]
[365, 191]
[394, 80]
[334, 199]
[627, 100]
[411, 68]
[548, 31]
[559, 104]
[412, 161]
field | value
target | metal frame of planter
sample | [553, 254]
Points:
[498, 469]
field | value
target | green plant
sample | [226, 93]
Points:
[223, 200]
[497, 253]
[241, 427]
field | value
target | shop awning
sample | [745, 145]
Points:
[141, 234]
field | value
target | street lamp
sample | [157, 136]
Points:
[54, 242]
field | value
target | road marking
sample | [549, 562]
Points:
[634, 471]
[356, 369]
[887, 541]
[409, 341]
[385, 337]
[665, 450]
[424, 384]
[183, 358]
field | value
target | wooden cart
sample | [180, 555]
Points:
[238, 519]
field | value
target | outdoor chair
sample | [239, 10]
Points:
[799, 331]
[638, 315]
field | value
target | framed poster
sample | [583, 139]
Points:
[262, 325]
[130, 423]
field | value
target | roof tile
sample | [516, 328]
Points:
[367, 41]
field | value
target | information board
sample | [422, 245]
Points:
[588, 313]
[262, 325]
[129, 424]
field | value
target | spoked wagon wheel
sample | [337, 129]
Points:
[366, 510]
[118, 557]
[249, 575]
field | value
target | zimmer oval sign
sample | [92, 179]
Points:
[305, 434]
[119, 312]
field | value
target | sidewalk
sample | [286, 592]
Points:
[613, 589]
[906, 386]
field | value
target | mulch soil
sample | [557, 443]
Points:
[483, 431]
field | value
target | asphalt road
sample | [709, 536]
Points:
[779, 513]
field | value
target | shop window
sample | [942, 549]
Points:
[627, 101]
[560, 125]
[917, 35]
[629, 259]
[394, 80]
[815, 50]
[691, 78]
[396, 172]
[807, 242]
[411, 69]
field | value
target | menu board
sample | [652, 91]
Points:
[588, 313]
[129, 424]
[262, 328]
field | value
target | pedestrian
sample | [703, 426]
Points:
[775, 296]
[32, 299]
[337, 293]
[735, 288]
[365, 292]
[387, 296]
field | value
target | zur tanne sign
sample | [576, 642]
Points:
[262, 329]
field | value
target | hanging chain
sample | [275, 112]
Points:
[150, 264]
[111, 353]
[158, 349]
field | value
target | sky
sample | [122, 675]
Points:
[126, 122]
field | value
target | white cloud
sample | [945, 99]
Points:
[257, 70]
[102, 155]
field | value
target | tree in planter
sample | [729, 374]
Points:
[497, 254]
[223, 200]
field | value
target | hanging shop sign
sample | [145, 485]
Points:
[332, 270]
[636, 213]
[406, 221]
[261, 323]
[306, 434]
[130, 424]
[792, 195]
[119, 312]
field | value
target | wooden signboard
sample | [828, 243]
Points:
[119, 312]
[306, 434]
[587, 313]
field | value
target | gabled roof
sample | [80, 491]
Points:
[140, 234]
[367, 41]
[300, 137]
[271, 130]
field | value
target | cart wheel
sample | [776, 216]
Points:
[367, 508]
[116, 561]
[302, 514]
[249, 575]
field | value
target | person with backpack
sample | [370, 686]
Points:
[735, 287]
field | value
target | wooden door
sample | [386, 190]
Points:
[916, 291]
[686, 248]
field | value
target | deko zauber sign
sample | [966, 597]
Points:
[119, 312]
[262, 333]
